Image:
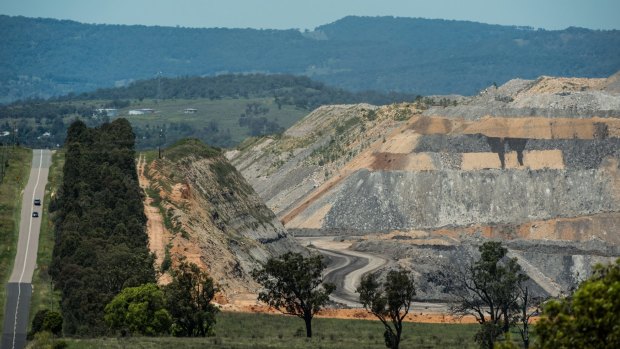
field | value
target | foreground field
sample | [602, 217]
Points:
[243, 330]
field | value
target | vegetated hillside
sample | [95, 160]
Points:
[45, 57]
[200, 209]
[535, 163]
[299, 91]
[221, 110]
[101, 242]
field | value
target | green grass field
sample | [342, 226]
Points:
[241, 330]
[225, 112]
[11, 188]
[169, 114]
[42, 296]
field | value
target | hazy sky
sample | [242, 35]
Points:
[307, 14]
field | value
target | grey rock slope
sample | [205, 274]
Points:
[431, 200]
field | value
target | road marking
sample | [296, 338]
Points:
[19, 287]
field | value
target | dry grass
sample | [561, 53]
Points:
[16, 178]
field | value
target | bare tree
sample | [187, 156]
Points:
[528, 306]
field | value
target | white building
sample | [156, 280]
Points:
[45, 135]
[107, 111]
[141, 111]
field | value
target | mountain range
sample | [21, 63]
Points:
[48, 57]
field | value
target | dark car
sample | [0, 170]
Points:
[37, 202]
[35, 214]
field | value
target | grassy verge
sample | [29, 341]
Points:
[149, 155]
[239, 330]
[16, 178]
[42, 295]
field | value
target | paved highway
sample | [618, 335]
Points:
[19, 289]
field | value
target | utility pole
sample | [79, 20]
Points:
[161, 140]
[3, 162]
[158, 97]
[4, 159]
[52, 294]
[14, 134]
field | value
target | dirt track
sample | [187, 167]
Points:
[158, 236]
[346, 268]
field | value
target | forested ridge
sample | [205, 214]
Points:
[299, 91]
[101, 241]
[46, 57]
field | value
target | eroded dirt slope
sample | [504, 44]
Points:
[201, 210]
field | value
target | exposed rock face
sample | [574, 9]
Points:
[545, 96]
[435, 199]
[212, 217]
[532, 163]
[284, 171]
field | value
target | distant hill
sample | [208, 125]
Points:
[45, 57]
[299, 91]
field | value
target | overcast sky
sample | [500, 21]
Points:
[308, 14]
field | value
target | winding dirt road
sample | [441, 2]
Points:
[345, 267]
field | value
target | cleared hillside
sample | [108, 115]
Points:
[533, 163]
[200, 209]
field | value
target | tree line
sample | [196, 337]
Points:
[100, 237]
